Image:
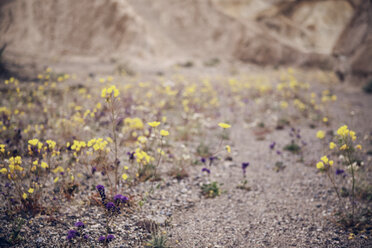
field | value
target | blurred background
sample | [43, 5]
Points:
[103, 35]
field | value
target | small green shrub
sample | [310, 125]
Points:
[292, 147]
[158, 241]
[210, 190]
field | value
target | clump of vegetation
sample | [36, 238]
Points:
[292, 147]
[14, 236]
[158, 240]
[346, 149]
[210, 190]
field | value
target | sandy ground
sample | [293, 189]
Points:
[290, 208]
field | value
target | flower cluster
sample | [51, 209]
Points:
[112, 207]
[77, 233]
[106, 239]
[110, 92]
[325, 163]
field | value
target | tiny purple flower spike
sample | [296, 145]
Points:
[272, 145]
[94, 169]
[278, 152]
[244, 167]
[110, 237]
[102, 239]
[339, 171]
[101, 191]
[117, 198]
[86, 236]
[100, 188]
[212, 158]
[71, 234]
[79, 224]
[120, 199]
[110, 205]
[202, 160]
[206, 170]
[131, 155]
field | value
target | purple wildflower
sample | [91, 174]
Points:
[101, 191]
[110, 237]
[110, 206]
[244, 167]
[102, 239]
[339, 171]
[100, 188]
[94, 169]
[117, 198]
[86, 236]
[202, 160]
[131, 155]
[272, 145]
[79, 224]
[278, 152]
[206, 170]
[71, 234]
[120, 199]
[211, 159]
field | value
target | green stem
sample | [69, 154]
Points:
[335, 187]
[353, 182]
[113, 120]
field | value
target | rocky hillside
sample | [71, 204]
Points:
[323, 33]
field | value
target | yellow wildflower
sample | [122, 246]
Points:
[58, 169]
[351, 236]
[4, 170]
[332, 145]
[164, 133]
[320, 134]
[2, 148]
[324, 159]
[56, 179]
[30, 190]
[153, 124]
[44, 165]
[320, 165]
[24, 196]
[228, 149]
[224, 125]
[359, 147]
[352, 135]
[124, 176]
[343, 147]
[142, 139]
[111, 91]
[343, 131]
